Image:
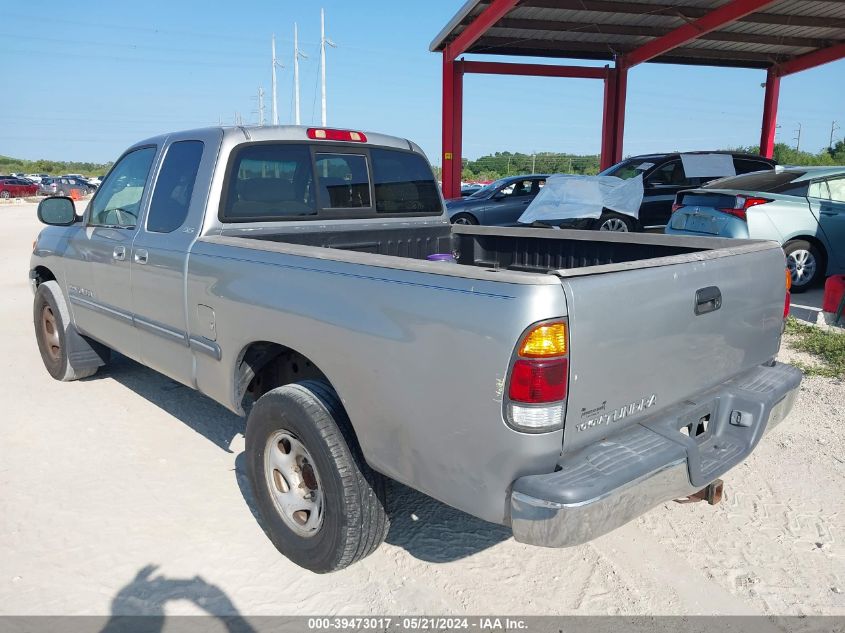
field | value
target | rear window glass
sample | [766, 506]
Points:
[270, 182]
[344, 181]
[767, 181]
[174, 187]
[403, 183]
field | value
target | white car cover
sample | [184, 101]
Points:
[567, 197]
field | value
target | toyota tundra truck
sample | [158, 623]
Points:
[557, 382]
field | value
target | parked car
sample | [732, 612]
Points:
[498, 204]
[358, 358]
[16, 187]
[36, 178]
[63, 186]
[664, 176]
[468, 190]
[802, 208]
[95, 180]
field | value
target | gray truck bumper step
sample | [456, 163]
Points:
[668, 455]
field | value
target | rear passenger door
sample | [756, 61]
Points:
[160, 254]
[510, 203]
[827, 201]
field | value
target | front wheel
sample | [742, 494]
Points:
[5, 195]
[323, 506]
[805, 263]
[464, 218]
[615, 222]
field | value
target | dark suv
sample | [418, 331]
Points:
[664, 176]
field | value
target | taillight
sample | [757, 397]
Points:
[787, 301]
[327, 134]
[539, 377]
[742, 204]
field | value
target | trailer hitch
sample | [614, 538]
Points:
[712, 494]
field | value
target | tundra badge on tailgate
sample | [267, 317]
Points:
[622, 412]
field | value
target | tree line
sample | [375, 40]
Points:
[52, 167]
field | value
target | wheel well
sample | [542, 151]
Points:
[42, 274]
[460, 213]
[264, 366]
[815, 242]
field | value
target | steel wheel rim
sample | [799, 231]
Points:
[614, 224]
[802, 266]
[50, 332]
[5, 194]
[462, 221]
[294, 483]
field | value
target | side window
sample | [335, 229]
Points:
[270, 181]
[671, 174]
[343, 182]
[537, 185]
[819, 190]
[118, 201]
[517, 189]
[836, 186]
[746, 166]
[174, 186]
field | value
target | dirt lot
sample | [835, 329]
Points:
[125, 493]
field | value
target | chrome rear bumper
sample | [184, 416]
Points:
[607, 484]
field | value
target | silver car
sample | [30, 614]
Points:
[803, 208]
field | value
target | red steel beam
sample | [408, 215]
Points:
[727, 13]
[621, 95]
[770, 114]
[457, 129]
[534, 70]
[447, 146]
[478, 27]
[811, 60]
[608, 126]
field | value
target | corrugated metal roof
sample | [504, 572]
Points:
[602, 29]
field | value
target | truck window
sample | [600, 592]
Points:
[403, 183]
[118, 200]
[343, 181]
[270, 182]
[174, 186]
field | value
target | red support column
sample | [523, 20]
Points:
[447, 150]
[457, 126]
[770, 114]
[608, 126]
[619, 116]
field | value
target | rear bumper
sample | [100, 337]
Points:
[607, 484]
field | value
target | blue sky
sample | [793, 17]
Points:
[89, 81]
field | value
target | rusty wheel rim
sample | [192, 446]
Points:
[50, 333]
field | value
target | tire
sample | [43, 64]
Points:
[307, 420]
[52, 330]
[806, 263]
[464, 218]
[616, 222]
[5, 195]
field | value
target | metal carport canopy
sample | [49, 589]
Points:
[780, 36]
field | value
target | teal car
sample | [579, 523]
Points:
[803, 208]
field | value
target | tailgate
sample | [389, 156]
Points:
[646, 338]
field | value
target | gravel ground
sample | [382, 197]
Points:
[125, 493]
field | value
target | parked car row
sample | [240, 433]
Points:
[18, 185]
[802, 208]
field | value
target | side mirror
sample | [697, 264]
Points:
[57, 211]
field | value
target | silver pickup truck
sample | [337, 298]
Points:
[559, 382]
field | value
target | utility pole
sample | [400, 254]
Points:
[833, 127]
[323, 41]
[260, 110]
[296, 55]
[533, 162]
[276, 63]
[797, 138]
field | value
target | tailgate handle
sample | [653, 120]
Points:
[708, 299]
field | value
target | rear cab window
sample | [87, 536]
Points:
[174, 187]
[283, 181]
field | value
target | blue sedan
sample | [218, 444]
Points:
[498, 204]
[803, 208]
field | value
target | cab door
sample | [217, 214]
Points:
[103, 307]
[160, 253]
[660, 188]
[509, 203]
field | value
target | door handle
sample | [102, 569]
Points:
[829, 213]
[141, 256]
[119, 253]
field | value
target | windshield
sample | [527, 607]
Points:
[486, 190]
[628, 168]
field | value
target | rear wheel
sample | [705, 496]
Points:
[5, 194]
[806, 264]
[323, 507]
[616, 222]
[464, 218]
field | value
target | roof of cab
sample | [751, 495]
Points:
[251, 133]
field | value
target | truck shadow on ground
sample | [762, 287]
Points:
[139, 606]
[425, 528]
